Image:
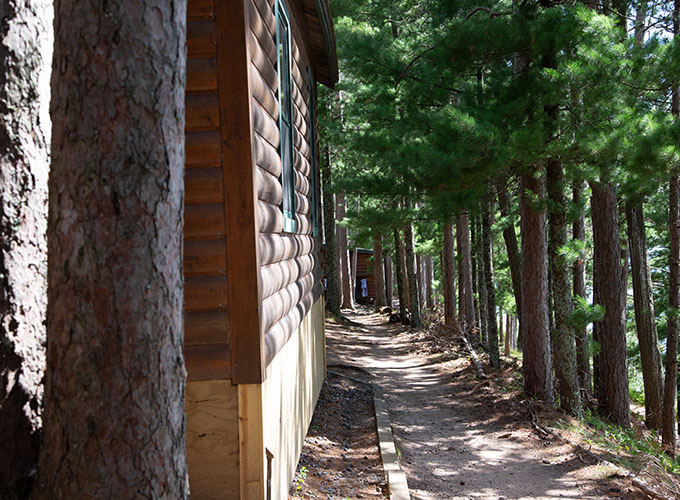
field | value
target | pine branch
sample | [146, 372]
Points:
[491, 12]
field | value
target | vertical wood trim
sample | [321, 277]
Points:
[238, 160]
[251, 442]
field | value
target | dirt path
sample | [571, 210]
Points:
[458, 439]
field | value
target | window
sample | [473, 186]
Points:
[286, 148]
[314, 164]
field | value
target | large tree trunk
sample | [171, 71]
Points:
[608, 282]
[345, 272]
[398, 261]
[668, 437]
[411, 273]
[579, 290]
[114, 399]
[449, 277]
[389, 286]
[26, 44]
[489, 284]
[511, 246]
[564, 337]
[331, 271]
[378, 272]
[465, 294]
[537, 367]
[645, 320]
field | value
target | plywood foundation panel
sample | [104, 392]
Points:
[212, 440]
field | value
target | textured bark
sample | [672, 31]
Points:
[114, 421]
[378, 272]
[670, 393]
[537, 367]
[409, 252]
[489, 285]
[465, 297]
[420, 280]
[389, 285]
[645, 319]
[331, 271]
[579, 290]
[480, 280]
[25, 47]
[508, 335]
[608, 283]
[343, 251]
[668, 433]
[398, 250]
[564, 335]
[429, 301]
[511, 246]
[449, 277]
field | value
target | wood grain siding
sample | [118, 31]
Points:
[207, 344]
[290, 271]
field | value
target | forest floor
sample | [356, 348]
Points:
[458, 437]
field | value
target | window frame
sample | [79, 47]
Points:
[286, 141]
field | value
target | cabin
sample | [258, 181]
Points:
[364, 285]
[254, 318]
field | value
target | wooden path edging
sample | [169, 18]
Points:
[396, 478]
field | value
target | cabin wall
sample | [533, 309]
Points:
[290, 264]
[290, 393]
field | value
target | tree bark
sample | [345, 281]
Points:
[420, 280]
[645, 319]
[378, 272]
[537, 366]
[114, 423]
[25, 59]
[668, 433]
[579, 290]
[345, 271]
[511, 246]
[467, 311]
[489, 288]
[449, 277]
[331, 271]
[428, 281]
[608, 283]
[411, 273]
[564, 336]
[398, 250]
[480, 280]
[389, 286]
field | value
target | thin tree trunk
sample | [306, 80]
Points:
[449, 277]
[355, 258]
[508, 334]
[467, 311]
[405, 279]
[537, 367]
[411, 272]
[608, 282]
[489, 288]
[389, 283]
[398, 250]
[339, 255]
[420, 280]
[428, 281]
[114, 423]
[579, 290]
[670, 384]
[345, 270]
[668, 436]
[645, 320]
[511, 246]
[564, 336]
[378, 272]
[331, 271]
[26, 39]
[480, 279]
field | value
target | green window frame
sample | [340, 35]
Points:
[314, 163]
[287, 145]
